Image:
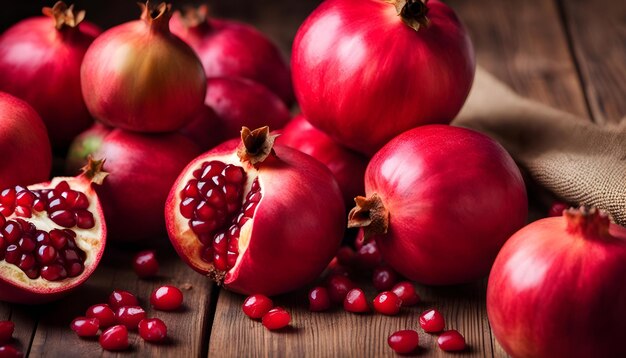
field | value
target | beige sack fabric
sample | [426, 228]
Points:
[579, 161]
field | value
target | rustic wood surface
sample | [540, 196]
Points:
[570, 54]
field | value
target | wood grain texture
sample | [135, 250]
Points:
[597, 32]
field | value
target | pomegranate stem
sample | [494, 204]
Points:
[412, 12]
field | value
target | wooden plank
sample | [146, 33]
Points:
[598, 38]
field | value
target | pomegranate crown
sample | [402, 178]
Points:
[256, 145]
[157, 15]
[370, 214]
[64, 15]
[194, 16]
[412, 12]
[94, 171]
[590, 222]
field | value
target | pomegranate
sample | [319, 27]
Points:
[84, 145]
[232, 49]
[347, 166]
[256, 306]
[52, 236]
[153, 330]
[138, 76]
[142, 169]
[204, 129]
[276, 318]
[22, 135]
[145, 264]
[557, 288]
[403, 342]
[342, 56]
[41, 56]
[114, 338]
[226, 214]
[436, 221]
[166, 298]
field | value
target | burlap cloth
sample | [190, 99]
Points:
[581, 162]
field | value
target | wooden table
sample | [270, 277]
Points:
[569, 54]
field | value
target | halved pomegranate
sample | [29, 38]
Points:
[52, 236]
[257, 218]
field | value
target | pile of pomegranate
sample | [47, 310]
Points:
[181, 127]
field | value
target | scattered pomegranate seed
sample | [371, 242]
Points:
[406, 292]
[387, 303]
[152, 330]
[355, 301]
[319, 300]
[556, 209]
[121, 298]
[10, 351]
[145, 264]
[345, 256]
[6, 331]
[368, 256]
[256, 306]
[404, 342]
[166, 298]
[276, 318]
[103, 313]
[338, 287]
[432, 321]
[384, 278]
[451, 341]
[130, 316]
[114, 338]
[85, 327]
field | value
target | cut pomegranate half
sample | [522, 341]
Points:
[52, 236]
[256, 218]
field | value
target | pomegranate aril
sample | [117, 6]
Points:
[432, 321]
[188, 207]
[12, 254]
[207, 253]
[12, 232]
[33, 273]
[355, 301]
[205, 212]
[23, 211]
[7, 197]
[6, 331]
[63, 218]
[130, 316]
[114, 338]
[121, 298]
[220, 261]
[166, 298]
[26, 244]
[215, 198]
[74, 269]
[191, 190]
[406, 292]
[368, 256]
[276, 318]
[85, 327]
[233, 244]
[59, 238]
[384, 278]
[319, 300]
[57, 203]
[202, 227]
[54, 272]
[27, 262]
[257, 305]
[403, 342]
[234, 174]
[220, 243]
[84, 219]
[212, 169]
[46, 254]
[3, 220]
[25, 198]
[10, 351]
[104, 314]
[231, 259]
[145, 264]
[70, 255]
[61, 187]
[152, 330]
[5, 210]
[338, 287]
[39, 205]
[451, 341]
[387, 303]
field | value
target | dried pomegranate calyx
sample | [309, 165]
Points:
[589, 222]
[256, 145]
[157, 16]
[370, 214]
[94, 171]
[64, 15]
[412, 12]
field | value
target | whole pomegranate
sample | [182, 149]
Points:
[441, 201]
[52, 236]
[84, 145]
[40, 60]
[138, 76]
[366, 71]
[204, 129]
[142, 169]
[259, 219]
[557, 288]
[24, 144]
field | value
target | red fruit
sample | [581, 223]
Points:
[451, 341]
[406, 292]
[557, 288]
[276, 318]
[6, 331]
[50, 52]
[130, 316]
[256, 306]
[348, 167]
[142, 170]
[226, 215]
[345, 256]
[319, 299]
[104, 314]
[403, 342]
[557, 208]
[139, 77]
[84, 145]
[384, 278]
[355, 301]
[16, 116]
[232, 49]
[166, 298]
[121, 298]
[153, 330]
[145, 264]
[10, 351]
[338, 287]
[85, 327]
[432, 321]
[343, 48]
[204, 129]
[52, 236]
[115, 338]
[387, 303]
[368, 256]
[433, 220]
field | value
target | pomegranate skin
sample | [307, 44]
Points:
[557, 292]
[347, 166]
[142, 169]
[362, 88]
[204, 129]
[232, 49]
[453, 196]
[84, 145]
[37, 61]
[23, 141]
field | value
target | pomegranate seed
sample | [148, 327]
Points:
[404, 342]
[368, 256]
[256, 306]
[7, 196]
[27, 262]
[152, 330]
[59, 238]
[12, 254]
[104, 314]
[451, 341]
[120, 298]
[130, 316]
[432, 321]
[220, 261]
[10, 351]
[63, 218]
[166, 298]
[345, 255]
[57, 203]
[6, 331]
[11, 232]
[114, 338]
[145, 264]
[53, 272]
[276, 318]
[46, 254]
[556, 209]
[84, 219]
[61, 187]
[338, 287]
[85, 327]
[74, 269]
[355, 301]
[319, 300]
[187, 207]
[387, 303]
[406, 292]
[384, 278]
